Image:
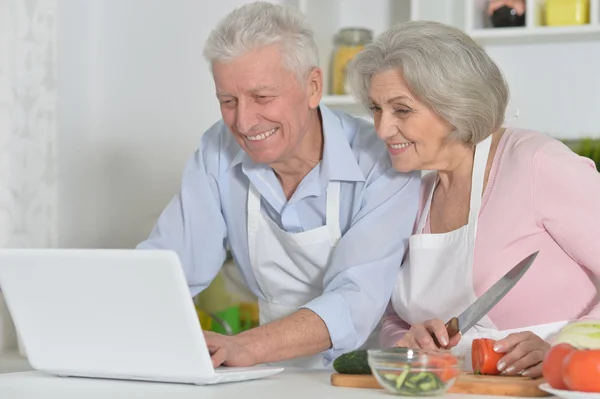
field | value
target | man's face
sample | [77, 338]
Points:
[264, 105]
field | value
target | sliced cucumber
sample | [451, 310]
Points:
[417, 383]
[401, 378]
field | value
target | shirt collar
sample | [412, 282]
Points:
[339, 161]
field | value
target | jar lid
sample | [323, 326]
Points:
[353, 36]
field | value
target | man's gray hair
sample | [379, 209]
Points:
[445, 69]
[259, 24]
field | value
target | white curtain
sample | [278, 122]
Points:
[28, 120]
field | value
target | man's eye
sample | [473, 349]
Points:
[228, 104]
[264, 99]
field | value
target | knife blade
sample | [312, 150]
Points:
[478, 309]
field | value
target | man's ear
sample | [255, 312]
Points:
[314, 87]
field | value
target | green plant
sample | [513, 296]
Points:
[587, 147]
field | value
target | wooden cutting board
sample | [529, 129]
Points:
[467, 383]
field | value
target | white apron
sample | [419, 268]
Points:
[289, 267]
[436, 281]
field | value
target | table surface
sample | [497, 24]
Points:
[289, 384]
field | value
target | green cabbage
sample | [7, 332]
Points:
[580, 334]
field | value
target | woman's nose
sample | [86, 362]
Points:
[385, 127]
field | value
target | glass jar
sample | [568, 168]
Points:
[348, 42]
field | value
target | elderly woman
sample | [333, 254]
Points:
[495, 196]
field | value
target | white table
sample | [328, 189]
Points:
[290, 384]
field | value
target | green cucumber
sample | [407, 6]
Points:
[355, 362]
[401, 378]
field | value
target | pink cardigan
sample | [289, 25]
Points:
[539, 195]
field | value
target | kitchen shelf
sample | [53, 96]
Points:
[328, 17]
[552, 98]
[479, 27]
[536, 34]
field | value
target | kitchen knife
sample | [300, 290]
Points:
[488, 300]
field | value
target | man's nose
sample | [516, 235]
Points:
[246, 117]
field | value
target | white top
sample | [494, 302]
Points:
[290, 384]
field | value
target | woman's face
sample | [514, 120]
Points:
[415, 135]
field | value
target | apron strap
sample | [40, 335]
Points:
[427, 207]
[482, 151]
[332, 218]
[253, 198]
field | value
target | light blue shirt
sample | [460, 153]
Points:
[378, 208]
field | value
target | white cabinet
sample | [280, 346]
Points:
[535, 30]
[452, 12]
[328, 17]
[539, 61]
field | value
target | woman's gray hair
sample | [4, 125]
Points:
[445, 69]
[259, 24]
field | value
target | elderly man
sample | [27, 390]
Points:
[316, 218]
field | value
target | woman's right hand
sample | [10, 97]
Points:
[420, 336]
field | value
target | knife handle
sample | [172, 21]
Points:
[451, 327]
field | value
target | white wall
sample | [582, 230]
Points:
[135, 97]
[555, 86]
[28, 108]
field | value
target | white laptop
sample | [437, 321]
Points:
[118, 314]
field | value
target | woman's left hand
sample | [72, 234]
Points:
[525, 353]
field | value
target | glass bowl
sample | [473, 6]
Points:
[415, 372]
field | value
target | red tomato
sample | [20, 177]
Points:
[582, 370]
[445, 366]
[483, 357]
[552, 368]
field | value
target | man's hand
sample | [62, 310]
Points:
[525, 352]
[420, 336]
[228, 350]
[302, 333]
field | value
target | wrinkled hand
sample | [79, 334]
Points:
[228, 350]
[420, 336]
[525, 352]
